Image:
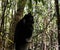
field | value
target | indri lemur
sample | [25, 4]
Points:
[23, 31]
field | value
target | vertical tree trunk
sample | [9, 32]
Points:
[58, 21]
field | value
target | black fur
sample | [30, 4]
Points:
[23, 31]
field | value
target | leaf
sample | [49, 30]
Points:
[43, 2]
[35, 1]
[30, 3]
[39, 0]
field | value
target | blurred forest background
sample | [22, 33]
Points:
[46, 23]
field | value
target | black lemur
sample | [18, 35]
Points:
[23, 31]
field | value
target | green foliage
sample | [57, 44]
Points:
[36, 1]
[39, 1]
[30, 4]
